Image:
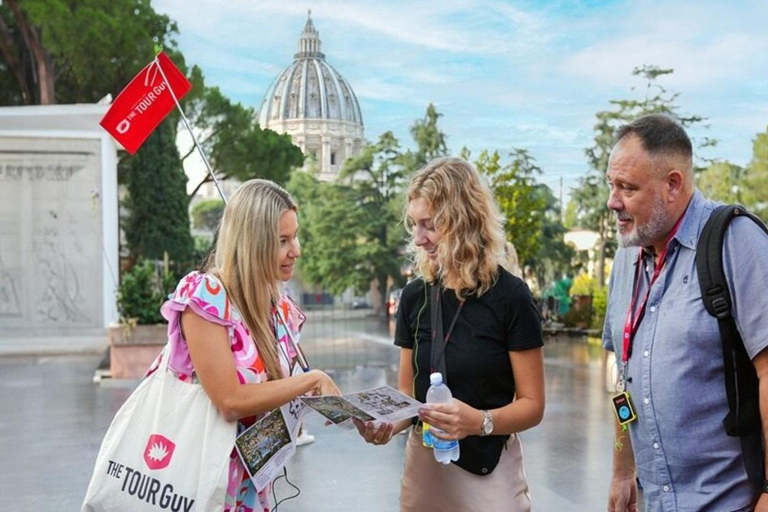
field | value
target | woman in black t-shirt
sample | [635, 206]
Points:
[493, 357]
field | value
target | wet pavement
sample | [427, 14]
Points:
[53, 418]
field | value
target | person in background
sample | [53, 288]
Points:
[668, 347]
[223, 323]
[493, 356]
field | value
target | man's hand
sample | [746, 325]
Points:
[623, 495]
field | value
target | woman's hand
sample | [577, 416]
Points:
[374, 433]
[456, 419]
[324, 384]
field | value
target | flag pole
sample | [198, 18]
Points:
[189, 128]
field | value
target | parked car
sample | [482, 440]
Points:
[361, 304]
[393, 302]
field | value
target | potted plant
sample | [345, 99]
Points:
[142, 331]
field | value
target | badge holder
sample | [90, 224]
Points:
[622, 406]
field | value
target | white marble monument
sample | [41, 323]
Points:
[58, 223]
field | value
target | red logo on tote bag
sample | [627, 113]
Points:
[158, 452]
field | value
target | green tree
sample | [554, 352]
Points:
[237, 147]
[375, 179]
[514, 187]
[65, 51]
[330, 233]
[722, 181]
[207, 214]
[591, 195]
[352, 234]
[754, 190]
[430, 140]
[156, 199]
[351, 230]
[553, 259]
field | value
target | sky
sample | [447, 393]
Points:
[504, 74]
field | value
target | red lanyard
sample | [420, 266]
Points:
[633, 321]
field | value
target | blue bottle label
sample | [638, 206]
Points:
[427, 439]
[441, 444]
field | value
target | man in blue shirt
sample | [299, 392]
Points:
[667, 346]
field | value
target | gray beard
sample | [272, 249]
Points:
[642, 235]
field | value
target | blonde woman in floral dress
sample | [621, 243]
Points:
[227, 324]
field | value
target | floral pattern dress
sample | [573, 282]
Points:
[205, 295]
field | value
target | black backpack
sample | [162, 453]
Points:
[741, 383]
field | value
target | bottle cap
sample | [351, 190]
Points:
[436, 378]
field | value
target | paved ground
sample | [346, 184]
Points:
[53, 417]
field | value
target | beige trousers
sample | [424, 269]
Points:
[428, 485]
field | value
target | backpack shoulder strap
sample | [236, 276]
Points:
[740, 378]
[709, 255]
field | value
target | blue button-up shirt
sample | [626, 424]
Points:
[684, 458]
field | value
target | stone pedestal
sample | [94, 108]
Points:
[132, 349]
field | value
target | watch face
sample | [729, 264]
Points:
[487, 425]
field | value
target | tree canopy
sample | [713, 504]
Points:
[207, 214]
[158, 218]
[237, 147]
[754, 190]
[351, 228]
[591, 195]
[67, 51]
[513, 185]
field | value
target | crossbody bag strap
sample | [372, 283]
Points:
[437, 357]
[439, 339]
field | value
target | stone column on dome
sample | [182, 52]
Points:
[325, 167]
[347, 148]
[299, 141]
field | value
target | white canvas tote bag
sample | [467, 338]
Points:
[167, 449]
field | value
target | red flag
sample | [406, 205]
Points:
[140, 107]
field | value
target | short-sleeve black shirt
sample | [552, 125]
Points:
[503, 319]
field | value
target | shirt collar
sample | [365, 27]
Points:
[688, 233]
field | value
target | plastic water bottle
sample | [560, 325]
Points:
[438, 393]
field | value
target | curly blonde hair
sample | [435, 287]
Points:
[467, 219]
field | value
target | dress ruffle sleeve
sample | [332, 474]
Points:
[206, 296]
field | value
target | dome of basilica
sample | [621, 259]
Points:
[309, 88]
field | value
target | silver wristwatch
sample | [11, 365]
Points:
[487, 428]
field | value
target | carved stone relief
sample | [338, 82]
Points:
[50, 234]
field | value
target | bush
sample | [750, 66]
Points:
[576, 317]
[584, 285]
[207, 214]
[142, 292]
[203, 248]
[599, 305]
